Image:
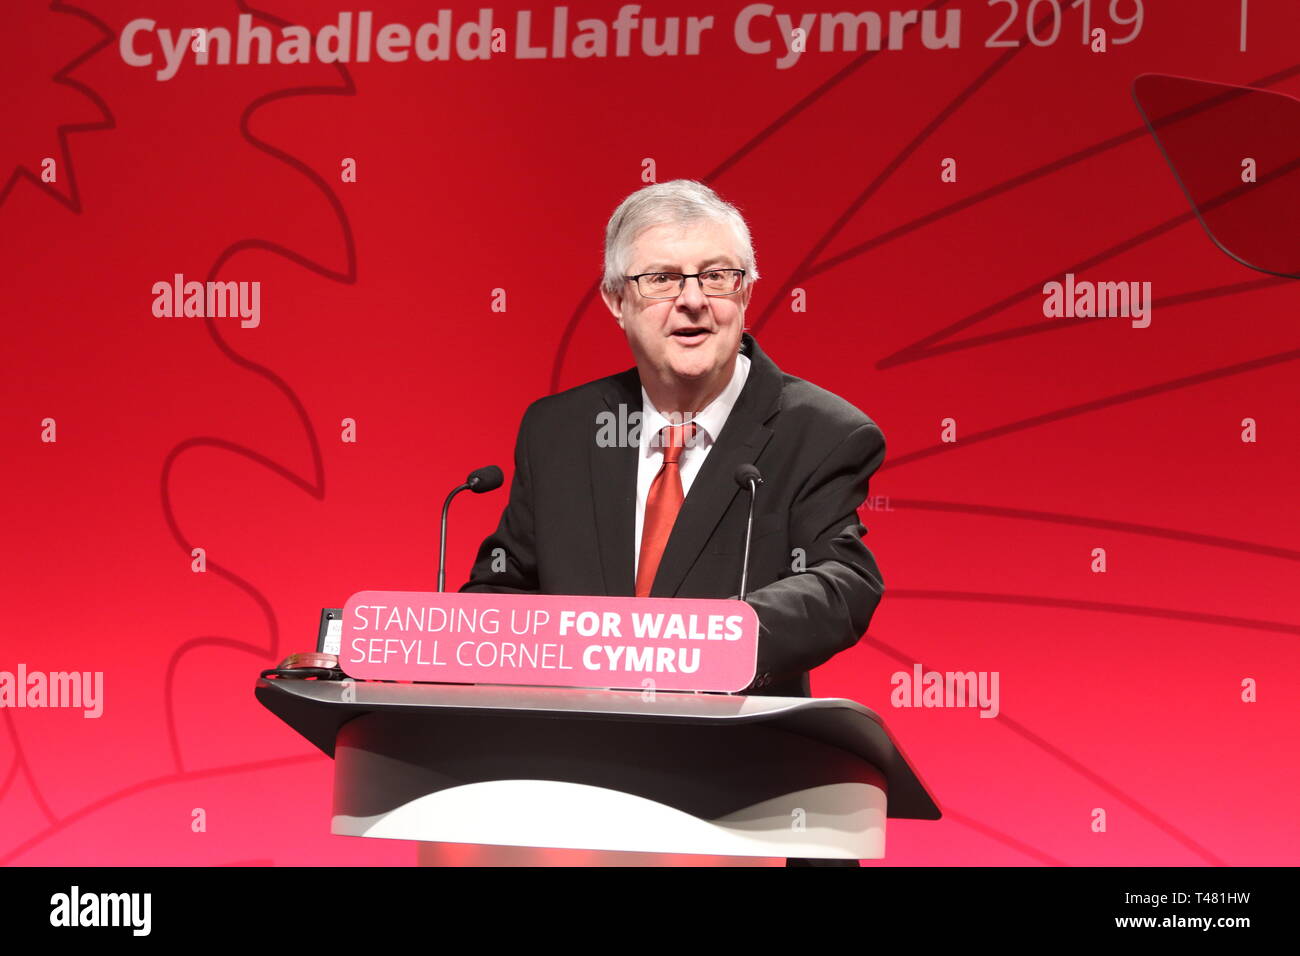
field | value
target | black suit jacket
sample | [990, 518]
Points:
[570, 523]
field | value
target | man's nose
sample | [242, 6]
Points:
[692, 296]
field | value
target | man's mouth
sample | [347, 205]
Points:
[692, 333]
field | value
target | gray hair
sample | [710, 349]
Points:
[677, 202]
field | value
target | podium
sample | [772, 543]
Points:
[605, 770]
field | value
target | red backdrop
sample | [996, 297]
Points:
[1119, 690]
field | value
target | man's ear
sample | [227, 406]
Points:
[615, 305]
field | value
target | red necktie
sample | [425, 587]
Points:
[661, 507]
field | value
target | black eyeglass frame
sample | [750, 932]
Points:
[681, 284]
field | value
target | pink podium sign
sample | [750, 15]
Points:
[549, 639]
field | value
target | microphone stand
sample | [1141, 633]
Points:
[442, 541]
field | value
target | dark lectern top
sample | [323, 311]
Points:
[317, 709]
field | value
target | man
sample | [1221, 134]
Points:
[577, 514]
[658, 512]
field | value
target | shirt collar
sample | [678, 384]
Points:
[710, 419]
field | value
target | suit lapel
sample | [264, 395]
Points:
[742, 439]
[613, 487]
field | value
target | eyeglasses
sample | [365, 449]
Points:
[669, 285]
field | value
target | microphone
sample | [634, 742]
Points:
[749, 477]
[488, 478]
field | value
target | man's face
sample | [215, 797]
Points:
[692, 340]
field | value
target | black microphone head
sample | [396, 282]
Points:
[747, 473]
[488, 478]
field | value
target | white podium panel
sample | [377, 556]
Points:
[836, 821]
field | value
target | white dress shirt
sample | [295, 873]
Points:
[709, 423]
